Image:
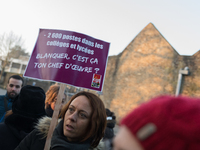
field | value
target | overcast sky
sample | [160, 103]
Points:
[113, 21]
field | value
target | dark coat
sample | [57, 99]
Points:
[37, 138]
[109, 132]
[33, 141]
[2, 106]
[49, 111]
[13, 130]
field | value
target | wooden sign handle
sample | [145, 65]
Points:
[54, 120]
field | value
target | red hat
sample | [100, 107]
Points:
[166, 123]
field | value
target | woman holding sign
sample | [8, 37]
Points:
[81, 128]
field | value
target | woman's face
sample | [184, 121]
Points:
[77, 118]
[52, 104]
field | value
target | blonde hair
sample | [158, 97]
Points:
[51, 94]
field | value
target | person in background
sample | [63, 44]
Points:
[81, 127]
[27, 108]
[51, 98]
[163, 123]
[15, 83]
[111, 121]
[109, 132]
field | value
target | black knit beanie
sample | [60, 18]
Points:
[30, 102]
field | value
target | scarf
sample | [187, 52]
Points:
[60, 142]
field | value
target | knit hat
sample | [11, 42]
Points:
[166, 123]
[110, 115]
[30, 102]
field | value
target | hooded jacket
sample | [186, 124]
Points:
[37, 138]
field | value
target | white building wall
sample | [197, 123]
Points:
[21, 62]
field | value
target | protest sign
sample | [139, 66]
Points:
[69, 57]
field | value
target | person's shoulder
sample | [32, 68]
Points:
[43, 125]
[2, 99]
[2, 96]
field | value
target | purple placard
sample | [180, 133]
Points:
[69, 57]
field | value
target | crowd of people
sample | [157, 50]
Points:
[162, 123]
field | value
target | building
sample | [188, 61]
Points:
[14, 65]
[148, 67]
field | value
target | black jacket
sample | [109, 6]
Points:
[37, 138]
[109, 132]
[13, 130]
[49, 111]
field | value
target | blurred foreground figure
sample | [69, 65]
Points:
[164, 123]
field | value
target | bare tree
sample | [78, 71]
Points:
[9, 44]
[18, 51]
